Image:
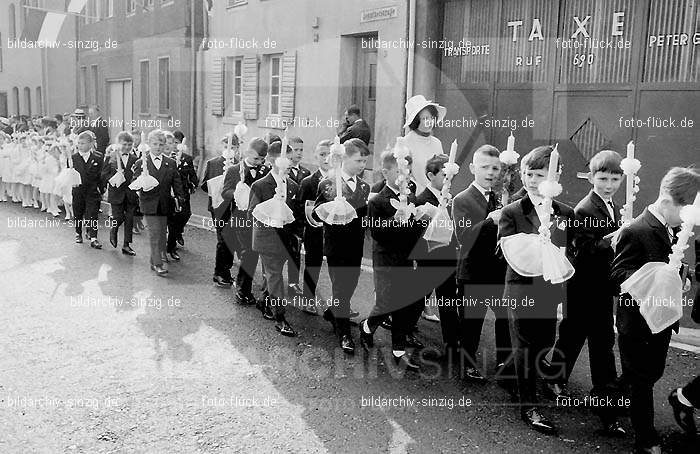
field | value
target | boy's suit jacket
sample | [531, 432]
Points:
[593, 254]
[344, 240]
[159, 201]
[308, 189]
[90, 172]
[445, 256]
[645, 240]
[271, 240]
[299, 175]
[393, 241]
[212, 169]
[358, 130]
[477, 236]
[122, 193]
[231, 179]
[188, 174]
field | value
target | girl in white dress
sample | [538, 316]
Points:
[35, 170]
[66, 179]
[51, 167]
[5, 166]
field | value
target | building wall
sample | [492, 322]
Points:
[325, 59]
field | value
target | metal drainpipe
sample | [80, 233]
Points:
[411, 51]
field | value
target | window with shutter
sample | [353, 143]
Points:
[216, 85]
[288, 86]
[250, 87]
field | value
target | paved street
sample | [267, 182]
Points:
[100, 355]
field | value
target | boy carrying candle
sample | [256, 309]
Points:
[643, 354]
[88, 195]
[533, 314]
[297, 172]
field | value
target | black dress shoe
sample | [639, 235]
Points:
[285, 328]
[95, 244]
[413, 342]
[353, 314]
[174, 256]
[366, 339]
[614, 429]
[649, 450]
[164, 258]
[222, 282]
[113, 237]
[386, 324]
[78, 238]
[180, 240]
[244, 300]
[405, 362]
[126, 250]
[683, 414]
[294, 290]
[347, 344]
[473, 374]
[160, 271]
[557, 390]
[266, 310]
[535, 420]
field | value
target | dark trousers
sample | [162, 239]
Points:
[532, 339]
[592, 320]
[395, 298]
[344, 273]
[475, 300]
[157, 225]
[225, 247]
[313, 259]
[441, 280]
[643, 358]
[176, 225]
[691, 391]
[123, 213]
[273, 265]
[85, 212]
[294, 264]
[249, 262]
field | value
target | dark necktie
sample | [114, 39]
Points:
[491, 205]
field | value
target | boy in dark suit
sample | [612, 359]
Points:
[297, 172]
[481, 271]
[158, 203]
[122, 200]
[394, 276]
[226, 243]
[588, 311]
[188, 176]
[313, 230]
[343, 244]
[273, 243]
[643, 354]
[532, 301]
[238, 222]
[88, 195]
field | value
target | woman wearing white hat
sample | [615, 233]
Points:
[421, 117]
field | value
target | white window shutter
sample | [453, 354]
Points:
[288, 86]
[250, 87]
[216, 84]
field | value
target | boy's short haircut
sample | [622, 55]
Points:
[296, 139]
[260, 146]
[136, 132]
[168, 134]
[388, 159]
[87, 134]
[234, 139]
[538, 159]
[125, 136]
[274, 138]
[354, 146]
[179, 136]
[681, 184]
[353, 110]
[324, 144]
[435, 164]
[486, 150]
[275, 150]
[156, 133]
[606, 161]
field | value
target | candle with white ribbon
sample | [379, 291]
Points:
[510, 147]
[629, 187]
[453, 152]
[553, 164]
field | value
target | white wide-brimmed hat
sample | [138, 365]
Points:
[417, 103]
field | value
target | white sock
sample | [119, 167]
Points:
[682, 399]
[398, 353]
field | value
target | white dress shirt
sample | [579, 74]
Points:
[608, 204]
[351, 181]
[156, 160]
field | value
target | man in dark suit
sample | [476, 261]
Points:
[394, 277]
[532, 302]
[188, 175]
[480, 272]
[343, 244]
[297, 172]
[272, 242]
[87, 196]
[313, 229]
[643, 354]
[158, 203]
[355, 127]
[226, 243]
[99, 127]
[238, 222]
[122, 200]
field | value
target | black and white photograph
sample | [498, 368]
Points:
[342, 226]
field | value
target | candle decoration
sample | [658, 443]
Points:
[338, 211]
[509, 178]
[440, 230]
[630, 166]
[404, 210]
